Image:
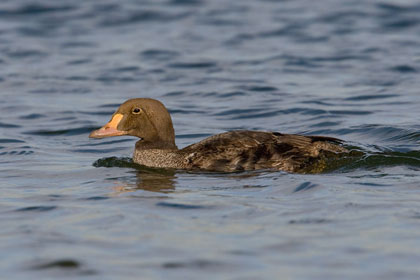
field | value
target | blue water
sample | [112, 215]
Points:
[75, 207]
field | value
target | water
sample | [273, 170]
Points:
[75, 207]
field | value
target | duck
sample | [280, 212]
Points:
[233, 151]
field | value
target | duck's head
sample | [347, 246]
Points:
[145, 118]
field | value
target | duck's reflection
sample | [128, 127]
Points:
[152, 180]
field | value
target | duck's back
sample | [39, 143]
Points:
[249, 150]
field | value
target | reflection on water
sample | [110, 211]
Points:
[154, 181]
[147, 178]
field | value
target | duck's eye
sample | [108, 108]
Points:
[136, 111]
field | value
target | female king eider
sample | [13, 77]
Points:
[231, 151]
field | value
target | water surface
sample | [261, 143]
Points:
[76, 207]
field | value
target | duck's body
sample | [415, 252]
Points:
[243, 150]
[225, 152]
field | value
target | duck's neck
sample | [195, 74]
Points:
[156, 145]
[162, 155]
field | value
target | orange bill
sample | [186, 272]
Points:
[110, 129]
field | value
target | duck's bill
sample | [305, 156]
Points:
[106, 132]
[110, 129]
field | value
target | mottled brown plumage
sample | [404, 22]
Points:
[240, 150]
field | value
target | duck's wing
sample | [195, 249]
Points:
[248, 150]
[313, 145]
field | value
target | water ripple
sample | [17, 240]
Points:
[28, 53]
[195, 264]
[365, 97]
[306, 221]
[64, 263]
[32, 116]
[404, 69]
[69, 132]
[34, 9]
[305, 186]
[192, 65]
[36, 209]
[134, 17]
[5, 140]
[181, 206]
[9, 125]
[97, 198]
[159, 54]
[71, 267]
